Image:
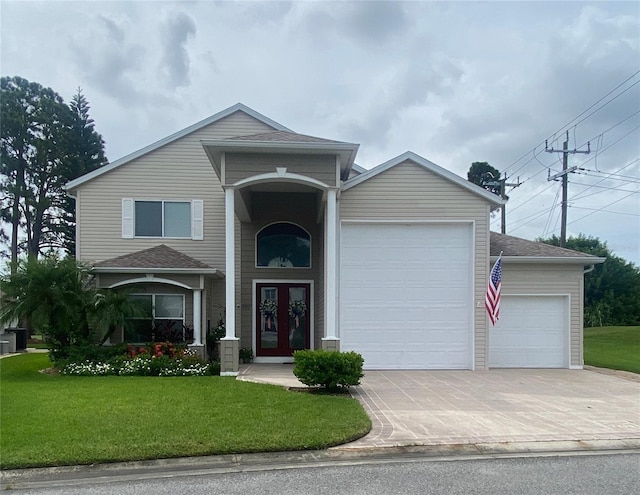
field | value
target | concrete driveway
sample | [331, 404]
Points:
[410, 408]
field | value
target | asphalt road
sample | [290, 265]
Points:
[575, 474]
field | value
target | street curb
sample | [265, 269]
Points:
[267, 461]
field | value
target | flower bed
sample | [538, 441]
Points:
[157, 359]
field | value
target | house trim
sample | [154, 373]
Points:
[149, 280]
[135, 269]
[576, 260]
[284, 177]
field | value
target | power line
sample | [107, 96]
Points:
[612, 99]
[610, 128]
[601, 209]
[570, 122]
[607, 211]
[555, 203]
[606, 178]
[611, 145]
[600, 187]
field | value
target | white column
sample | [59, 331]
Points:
[197, 317]
[230, 263]
[331, 265]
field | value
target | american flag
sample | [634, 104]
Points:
[492, 299]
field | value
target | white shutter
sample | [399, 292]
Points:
[127, 218]
[197, 220]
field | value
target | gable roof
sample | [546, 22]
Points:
[515, 249]
[428, 165]
[281, 142]
[158, 258]
[238, 107]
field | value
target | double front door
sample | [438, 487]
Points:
[282, 318]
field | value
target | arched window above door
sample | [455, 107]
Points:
[283, 245]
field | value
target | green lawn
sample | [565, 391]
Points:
[617, 348]
[57, 420]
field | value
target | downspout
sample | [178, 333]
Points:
[588, 269]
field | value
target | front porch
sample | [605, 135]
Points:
[277, 299]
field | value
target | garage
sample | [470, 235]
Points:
[406, 294]
[532, 332]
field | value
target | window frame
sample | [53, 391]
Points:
[195, 221]
[163, 226]
[153, 310]
[263, 267]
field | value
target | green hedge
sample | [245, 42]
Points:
[329, 369]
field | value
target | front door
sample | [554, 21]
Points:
[282, 318]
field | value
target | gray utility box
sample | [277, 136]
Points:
[7, 343]
[21, 337]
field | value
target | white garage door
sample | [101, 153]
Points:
[531, 333]
[405, 294]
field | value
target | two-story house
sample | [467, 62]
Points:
[297, 247]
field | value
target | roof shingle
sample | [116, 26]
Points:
[161, 256]
[515, 246]
[283, 136]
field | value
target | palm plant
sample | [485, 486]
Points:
[53, 295]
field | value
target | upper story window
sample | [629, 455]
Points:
[163, 219]
[173, 219]
[283, 245]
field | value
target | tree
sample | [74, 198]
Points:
[480, 173]
[612, 289]
[43, 144]
[35, 123]
[86, 154]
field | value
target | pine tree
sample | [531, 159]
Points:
[43, 144]
[86, 155]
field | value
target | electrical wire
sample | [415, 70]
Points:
[601, 209]
[606, 211]
[606, 178]
[571, 121]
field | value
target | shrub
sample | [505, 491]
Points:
[155, 359]
[330, 369]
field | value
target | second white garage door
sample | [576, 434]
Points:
[406, 294]
[531, 333]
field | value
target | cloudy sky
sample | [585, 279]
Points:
[455, 82]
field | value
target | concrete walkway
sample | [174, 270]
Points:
[438, 408]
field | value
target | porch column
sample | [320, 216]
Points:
[197, 317]
[229, 344]
[330, 340]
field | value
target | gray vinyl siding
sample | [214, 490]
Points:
[179, 170]
[298, 208]
[240, 166]
[538, 278]
[411, 192]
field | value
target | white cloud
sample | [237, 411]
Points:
[456, 82]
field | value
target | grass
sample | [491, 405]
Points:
[617, 348]
[49, 420]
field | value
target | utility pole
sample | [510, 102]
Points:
[503, 185]
[565, 180]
